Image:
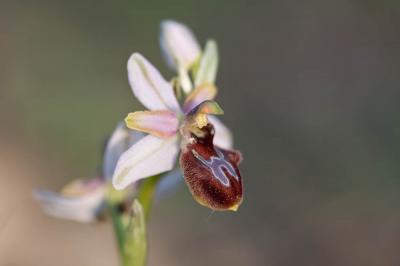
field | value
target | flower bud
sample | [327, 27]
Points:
[179, 45]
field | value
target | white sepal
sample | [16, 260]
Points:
[150, 156]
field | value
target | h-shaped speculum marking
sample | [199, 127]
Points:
[217, 166]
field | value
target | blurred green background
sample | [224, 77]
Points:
[309, 88]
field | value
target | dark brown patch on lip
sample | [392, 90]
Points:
[212, 173]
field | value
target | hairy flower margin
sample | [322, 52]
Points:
[188, 131]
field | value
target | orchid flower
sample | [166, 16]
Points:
[177, 136]
[83, 200]
[210, 171]
[78, 201]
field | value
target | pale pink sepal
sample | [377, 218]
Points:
[152, 90]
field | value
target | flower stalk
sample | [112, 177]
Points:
[130, 227]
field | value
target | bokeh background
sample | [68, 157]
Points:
[310, 89]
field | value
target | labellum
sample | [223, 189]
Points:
[211, 173]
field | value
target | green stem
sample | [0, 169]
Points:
[118, 226]
[146, 194]
[119, 220]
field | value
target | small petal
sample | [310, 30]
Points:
[204, 92]
[80, 201]
[208, 107]
[152, 90]
[197, 117]
[223, 136]
[208, 67]
[121, 139]
[178, 44]
[148, 157]
[211, 173]
[161, 124]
